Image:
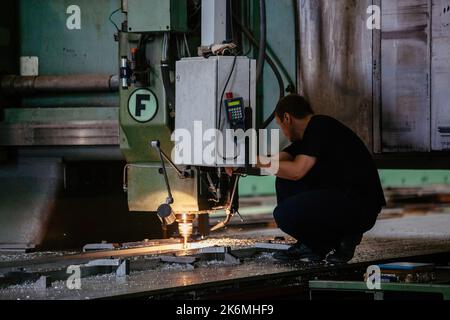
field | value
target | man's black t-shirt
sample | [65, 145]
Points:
[343, 160]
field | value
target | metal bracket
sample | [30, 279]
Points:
[157, 146]
[230, 211]
[182, 174]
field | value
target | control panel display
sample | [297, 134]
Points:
[236, 112]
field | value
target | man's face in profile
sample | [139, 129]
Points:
[286, 126]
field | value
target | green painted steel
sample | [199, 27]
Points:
[135, 137]
[135, 134]
[280, 47]
[414, 178]
[61, 51]
[147, 189]
[385, 287]
[73, 100]
[44, 32]
[47, 115]
[157, 16]
[257, 186]
[281, 42]
[265, 186]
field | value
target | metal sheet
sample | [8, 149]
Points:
[157, 16]
[196, 92]
[89, 133]
[406, 76]
[135, 136]
[24, 85]
[214, 22]
[74, 153]
[147, 190]
[65, 51]
[440, 66]
[336, 61]
[44, 33]
[27, 198]
[61, 126]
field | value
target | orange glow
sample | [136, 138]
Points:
[185, 228]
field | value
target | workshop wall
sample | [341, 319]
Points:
[335, 61]
[70, 38]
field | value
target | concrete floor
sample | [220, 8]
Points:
[432, 226]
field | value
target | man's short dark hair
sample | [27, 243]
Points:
[295, 105]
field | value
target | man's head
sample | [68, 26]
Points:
[293, 114]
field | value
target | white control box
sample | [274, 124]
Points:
[200, 97]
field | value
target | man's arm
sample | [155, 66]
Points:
[282, 156]
[295, 169]
[269, 162]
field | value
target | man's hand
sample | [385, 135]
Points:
[264, 162]
[230, 171]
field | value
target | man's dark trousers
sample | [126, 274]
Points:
[320, 218]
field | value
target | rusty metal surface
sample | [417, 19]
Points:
[76, 133]
[27, 85]
[390, 86]
[376, 86]
[440, 64]
[27, 192]
[336, 61]
[405, 82]
[60, 127]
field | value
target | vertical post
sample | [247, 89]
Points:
[376, 88]
[214, 22]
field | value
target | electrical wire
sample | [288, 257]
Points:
[165, 72]
[270, 62]
[196, 10]
[230, 9]
[220, 124]
[233, 67]
[263, 39]
[112, 21]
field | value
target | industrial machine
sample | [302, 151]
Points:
[90, 96]
[120, 119]
[216, 90]
[93, 96]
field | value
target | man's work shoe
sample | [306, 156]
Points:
[298, 252]
[345, 250]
